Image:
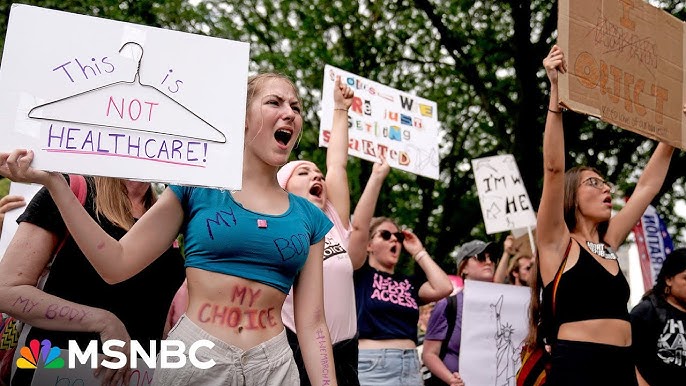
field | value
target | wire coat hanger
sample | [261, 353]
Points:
[215, 135]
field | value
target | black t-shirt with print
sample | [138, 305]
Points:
[659, 346]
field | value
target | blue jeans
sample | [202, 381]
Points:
[389, 367]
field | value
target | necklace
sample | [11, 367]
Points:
[602, 250]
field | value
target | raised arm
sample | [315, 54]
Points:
[364, 211]
[313, 333]
[438, 284]
[337, 188]
[509, 250]
[114, 260]
[27, 256]
[551, 231]
[648, 186]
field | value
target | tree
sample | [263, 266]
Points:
[480, 61]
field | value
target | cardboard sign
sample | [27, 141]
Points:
[504, 201]
[101, 97]
[494, 325]
[625, 65]
[383, 121]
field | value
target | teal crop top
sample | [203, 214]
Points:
[222, 236]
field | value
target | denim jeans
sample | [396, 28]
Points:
[389, 367]
[269, 363]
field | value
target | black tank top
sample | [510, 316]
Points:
[588, 291]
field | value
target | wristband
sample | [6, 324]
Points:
[420, 255]
[554, 112]
[346, 110]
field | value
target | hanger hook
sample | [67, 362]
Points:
[138, 69]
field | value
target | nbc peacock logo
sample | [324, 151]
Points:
[42, 354]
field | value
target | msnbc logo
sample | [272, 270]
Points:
[42, 352]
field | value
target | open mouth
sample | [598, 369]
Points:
[394, 248]
[316, 190]
[283, 136]
[607, 200]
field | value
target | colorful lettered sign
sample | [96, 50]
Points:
[383, 121]
[102, 97]
[625, 61]
[504, 201]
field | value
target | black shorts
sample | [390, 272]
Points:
[591, 364]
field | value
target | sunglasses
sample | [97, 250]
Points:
[599, 184]
[481, 258]
[386, 235]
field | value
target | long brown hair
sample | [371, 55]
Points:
[534, 305]
[111, 201]
[572, 182]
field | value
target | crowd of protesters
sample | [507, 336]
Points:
[345, 316]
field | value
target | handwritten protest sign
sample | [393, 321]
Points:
[625, 62]
[9, 227]
[494, 326]
[102, 97]
[383, 121]
[504, 201]
[83, 375]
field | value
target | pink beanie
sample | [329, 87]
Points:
[284, 174]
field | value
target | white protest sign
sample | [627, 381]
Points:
[494, 325]
[82, 375]
[9, 225]
[101, 97]
[504, 202]
[383, 121]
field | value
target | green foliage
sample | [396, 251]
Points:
[480, 61]
[4, 187]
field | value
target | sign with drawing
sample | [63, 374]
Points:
[494, 326]
[102, 97]
[504, 201]
[625, 62]
[383, 121]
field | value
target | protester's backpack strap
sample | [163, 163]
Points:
[451, 316]
[558, 275]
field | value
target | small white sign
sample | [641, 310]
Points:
[504, 201]
[495, 323]
[383, 121]
[100, 97]
[9, 225]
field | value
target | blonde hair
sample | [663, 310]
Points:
[376, 221]
[111, 201]
[255, 83]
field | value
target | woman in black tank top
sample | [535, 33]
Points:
[588, 326]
